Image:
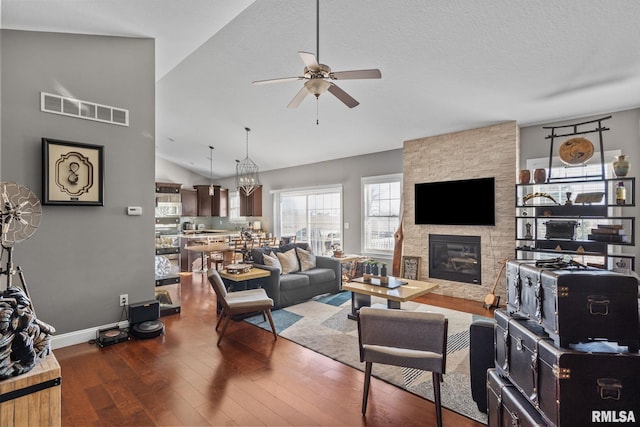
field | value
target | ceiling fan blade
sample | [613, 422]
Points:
[309, 60]
[302, 93]
[343, 96]
[356, 74]
[281, 80]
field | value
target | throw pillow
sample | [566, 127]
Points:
[307, 259]
[289, 261]
[272, 260]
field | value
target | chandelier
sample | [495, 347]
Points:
[212, 190]
[247, 179]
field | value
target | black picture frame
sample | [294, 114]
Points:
[72, 173]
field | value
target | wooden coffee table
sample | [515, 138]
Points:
[361, 293]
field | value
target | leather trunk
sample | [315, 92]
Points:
[507, 407]
[576, 305]
[516, 349]
[587, 387]
[568, 386]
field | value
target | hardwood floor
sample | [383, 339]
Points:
[183, 379]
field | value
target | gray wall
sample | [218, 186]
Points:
[82, 258]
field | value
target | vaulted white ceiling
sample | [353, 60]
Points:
[446, 66]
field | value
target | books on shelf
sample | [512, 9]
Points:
[612, 233]
[611, 238]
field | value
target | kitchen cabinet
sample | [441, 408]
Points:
[208, 205]
[189, 202]
[251, 205]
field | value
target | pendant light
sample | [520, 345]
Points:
[247, 179]
[212, 190]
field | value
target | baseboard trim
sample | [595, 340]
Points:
[82, 336]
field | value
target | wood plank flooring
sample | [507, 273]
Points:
[183, 379]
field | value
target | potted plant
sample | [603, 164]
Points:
[367, 267]
[383, 269]
[374, 267]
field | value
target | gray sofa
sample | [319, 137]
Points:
[293, 288]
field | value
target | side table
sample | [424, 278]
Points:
[242, 281]
[346, 261]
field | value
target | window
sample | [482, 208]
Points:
[381, 206]
[234, 207]
[313, 215]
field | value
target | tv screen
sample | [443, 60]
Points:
[464, 202]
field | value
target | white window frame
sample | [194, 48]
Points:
[277, 195]
[364, 182]
[234, 207]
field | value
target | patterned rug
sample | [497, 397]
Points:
[322, 326]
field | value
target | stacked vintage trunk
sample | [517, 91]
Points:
[566, 348]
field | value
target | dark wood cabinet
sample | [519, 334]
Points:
[207, 205]
[251, 205]
[189, 202]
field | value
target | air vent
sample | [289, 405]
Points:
[65, 106]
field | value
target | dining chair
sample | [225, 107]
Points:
[240, 302]
[403, 338]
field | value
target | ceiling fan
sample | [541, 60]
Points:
[318, 78]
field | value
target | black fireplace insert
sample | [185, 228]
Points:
[455, 258]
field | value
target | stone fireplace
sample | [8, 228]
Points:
[455, 258]
[490, 151]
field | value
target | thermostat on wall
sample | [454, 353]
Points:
[134, 210]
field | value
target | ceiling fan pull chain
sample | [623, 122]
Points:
[317, 110]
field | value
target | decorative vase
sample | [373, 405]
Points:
[621, 166]
[539, 176]
[525, 176]
[383, 271]
[367, 268]
[374, 269]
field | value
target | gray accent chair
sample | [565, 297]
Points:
[240, 302]
[402, 338]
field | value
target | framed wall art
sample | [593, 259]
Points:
[72, 173]
[410, 267]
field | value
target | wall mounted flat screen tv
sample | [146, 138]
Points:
[464, 202]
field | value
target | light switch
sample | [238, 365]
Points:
[346, 225]
[134, 210]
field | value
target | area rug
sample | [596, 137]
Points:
[322, 326]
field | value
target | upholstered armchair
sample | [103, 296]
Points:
[402, 338]
[240, 302]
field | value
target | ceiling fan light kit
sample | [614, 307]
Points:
[319, 77]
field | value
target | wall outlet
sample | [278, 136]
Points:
[124, 300]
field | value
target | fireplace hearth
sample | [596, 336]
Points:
[455, 258]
